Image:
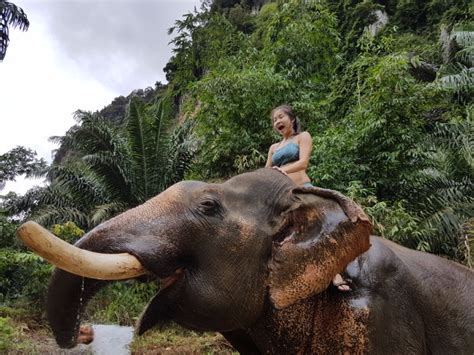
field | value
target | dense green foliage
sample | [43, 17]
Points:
[391, 114]
[236, 96]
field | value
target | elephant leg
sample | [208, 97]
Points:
[241, 341]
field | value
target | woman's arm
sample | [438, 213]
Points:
[269, 158]
[306, 145]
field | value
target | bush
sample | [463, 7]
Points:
[23, 275]
[68, 231]
[390, 220]
[7, 233]
[120, 302]
[6, 334]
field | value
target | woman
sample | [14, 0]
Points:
[291, 156]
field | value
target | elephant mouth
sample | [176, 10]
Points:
[170, 280]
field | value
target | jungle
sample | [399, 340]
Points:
[385, 87]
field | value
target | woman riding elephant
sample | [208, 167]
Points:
[291, 157]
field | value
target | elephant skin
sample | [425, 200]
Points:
[253, 258]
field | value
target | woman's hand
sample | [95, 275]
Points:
[280, 170]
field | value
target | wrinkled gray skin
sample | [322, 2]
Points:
[232, 242]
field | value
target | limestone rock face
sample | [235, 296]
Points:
[379, 24]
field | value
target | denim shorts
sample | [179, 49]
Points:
[307, 184]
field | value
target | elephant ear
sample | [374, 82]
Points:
[320, 232]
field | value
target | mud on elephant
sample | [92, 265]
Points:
[253, 258]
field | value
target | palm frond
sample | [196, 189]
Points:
[181, 152]
[463, 38]
[162, 115]
[457, 140]
[81, 184]
[104, 212]
[458, 82]
[445, 197]
[138, 128]
[457, 73]
[466, 56]
[104, 148]
[49, 215]
[115, 167]
[10, 15]
[56, 195]
[13, 16]
[148, 138]
[92, 134]
[115, 171]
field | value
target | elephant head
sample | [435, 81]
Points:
[223, 251]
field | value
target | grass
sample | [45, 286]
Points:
[177, 340]
[120, 303]
[20, 337]
[24, 331]
[21, 331]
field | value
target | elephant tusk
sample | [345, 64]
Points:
[76, 260]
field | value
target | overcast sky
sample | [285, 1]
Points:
[78, 54]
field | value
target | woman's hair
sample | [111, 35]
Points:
[289, 111]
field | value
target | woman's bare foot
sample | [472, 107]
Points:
[340, 283]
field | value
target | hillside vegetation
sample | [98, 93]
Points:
[384, 87]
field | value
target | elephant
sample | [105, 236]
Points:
[253, 258]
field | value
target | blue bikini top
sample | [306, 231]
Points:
[286, 154]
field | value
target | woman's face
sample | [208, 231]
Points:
[282, 123]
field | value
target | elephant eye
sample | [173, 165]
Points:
[209, 206]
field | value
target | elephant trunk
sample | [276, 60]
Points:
[67, 298]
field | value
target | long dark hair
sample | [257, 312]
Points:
[289, 111]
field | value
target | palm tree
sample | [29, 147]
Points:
[445, 190]
[111, 168]
[10, 15]
[444, 198]
[457, 73]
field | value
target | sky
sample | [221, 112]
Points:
[78, 54]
